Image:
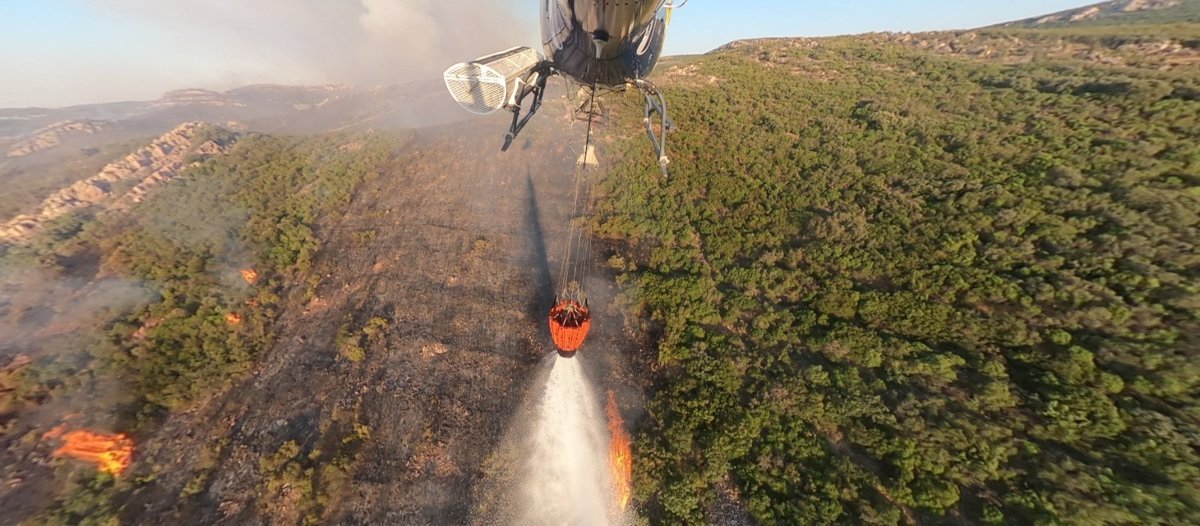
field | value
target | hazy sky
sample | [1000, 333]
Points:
[61, 52]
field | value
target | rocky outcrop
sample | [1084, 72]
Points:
[1014, 48]
[164, 159]
[195, 97]
[1096, 11]
[53, 135]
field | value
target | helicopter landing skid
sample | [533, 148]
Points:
[656, 103]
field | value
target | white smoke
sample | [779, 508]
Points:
[221, 44]
[363, 41]
[412, 21]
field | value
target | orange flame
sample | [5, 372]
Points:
[233, 318]
[111, 453]
[620, 459]
[250, 275]
[55, 432]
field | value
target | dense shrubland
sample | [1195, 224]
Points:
[199, 323]
[254, 208]
[892, 285]
[1182, 11]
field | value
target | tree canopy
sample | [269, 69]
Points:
[897, 285]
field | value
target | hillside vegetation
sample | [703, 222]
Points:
[895, 283]
[252, 209]
[204, 263]
[1119, 12]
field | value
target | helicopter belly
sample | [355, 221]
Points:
[608, 44]
[602, 41]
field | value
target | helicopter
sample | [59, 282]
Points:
[599, 45]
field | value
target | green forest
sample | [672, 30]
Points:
[944, 278]
[200, 324]
[254, 208]
[890, 285]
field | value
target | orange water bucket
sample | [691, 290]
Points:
[569, 324]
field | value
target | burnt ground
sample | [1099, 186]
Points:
[452, 247]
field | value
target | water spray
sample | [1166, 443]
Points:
[566, 473]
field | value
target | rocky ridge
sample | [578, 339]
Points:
[52, 135]
[195, 97]
[1096, 11]
[1164, 53]
[265, 108]
[164, 159]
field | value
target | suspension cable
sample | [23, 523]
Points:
[572, 262]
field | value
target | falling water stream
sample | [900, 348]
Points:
[566, 475]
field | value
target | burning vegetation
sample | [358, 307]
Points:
[110, 453]
[620, 458]
[250, 276]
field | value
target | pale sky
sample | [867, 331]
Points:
[63, 52]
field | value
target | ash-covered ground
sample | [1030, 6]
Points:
[459, 265]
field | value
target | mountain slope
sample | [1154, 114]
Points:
[263, 108]
[941, 278]
[125, 182]
[923, 279]
[1118, 12]
[329, 329]
[43, 150]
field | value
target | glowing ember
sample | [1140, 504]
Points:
[111, 453]
[233, 318]
[144, 330]
[250, 275]
[620, 459]
[56, 432]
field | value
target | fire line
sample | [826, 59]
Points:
[620, 458]
[110, 453]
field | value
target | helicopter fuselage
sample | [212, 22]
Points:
[608, 43]
[605, 45]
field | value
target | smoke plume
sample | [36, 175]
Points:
[334, 41]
